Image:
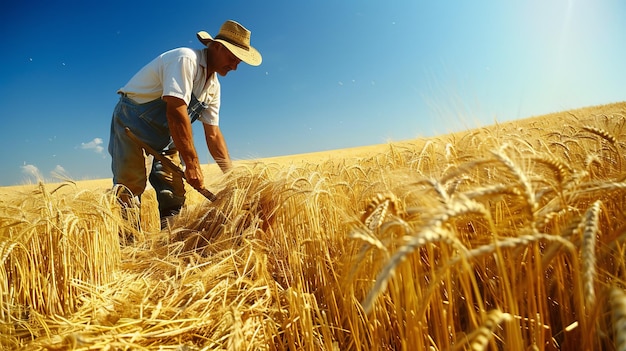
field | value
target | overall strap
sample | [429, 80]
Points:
[195, 108]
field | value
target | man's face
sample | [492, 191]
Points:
[225, 61]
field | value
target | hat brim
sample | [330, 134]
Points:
[251, 57]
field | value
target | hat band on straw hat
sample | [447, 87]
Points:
[230, 41]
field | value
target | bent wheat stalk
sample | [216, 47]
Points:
[429, 235]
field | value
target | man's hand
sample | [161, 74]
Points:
[182, 134]
[194, 176]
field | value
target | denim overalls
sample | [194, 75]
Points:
[148, 121]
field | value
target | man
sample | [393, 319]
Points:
[159, 104]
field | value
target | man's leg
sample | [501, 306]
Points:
[169, 187]
[128, 167]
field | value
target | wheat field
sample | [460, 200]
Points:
[507, 237]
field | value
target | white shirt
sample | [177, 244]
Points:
[179, 73]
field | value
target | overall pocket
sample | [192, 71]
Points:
[153, 113]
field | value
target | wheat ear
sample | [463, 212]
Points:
[434, 232]
[560, 169]
[603, 134]
[492, 191]
[429, 235]
[527, 188]
[588, 254]
[510, 243]
[479, 338]
[377, 210]
[369, 239]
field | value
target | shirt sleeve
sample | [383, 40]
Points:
[178, 74]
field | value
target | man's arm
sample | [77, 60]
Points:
[182, 134]
[216, 144]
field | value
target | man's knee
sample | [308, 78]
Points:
[168, 183]
[169, 187]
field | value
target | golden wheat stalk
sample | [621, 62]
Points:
[590, 229]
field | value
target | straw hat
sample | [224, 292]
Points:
[237, 39]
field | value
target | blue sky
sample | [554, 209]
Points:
[335, 74]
